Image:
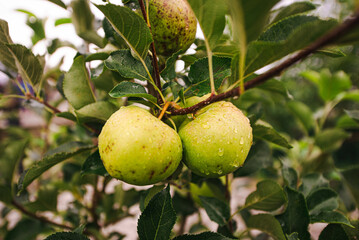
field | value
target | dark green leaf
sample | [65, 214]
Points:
[284, 37]
[6, 56]
[203, 236]
[25, 229]
[67, 236]
[147, 195]
[158, 218]
[76, 85]
[296, 216]
[97, 56]
[217, 210]
[330, 217]
[352, 178]
[211, 18]
[259, 156]
[96, 112]
[268, 224]
[290, 177]
[50, 159]
[183, 205]
[130, 89]
[58, 2]
[312, 182]
[46, 200]
[333, 232]
[199, 74]
[270, 135]
[293, 9]
[127, 66]
[94, 165]
[303, 113]
[169, 72]
[269, 196]
[28, 65]
[330, 139]
[293, 236]
[322, 199]
[67, 115]
[130, 26]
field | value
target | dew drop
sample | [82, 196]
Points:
[220, 172]
[235, 164]
[241, 141]
[236, 130]
[220, 152]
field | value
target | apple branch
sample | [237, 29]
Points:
[325, 40]
[156, 69]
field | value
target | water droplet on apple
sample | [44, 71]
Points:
[241, 141]
[236, 130]
[220, 152]
[205, 125]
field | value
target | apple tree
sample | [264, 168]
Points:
[192, 119]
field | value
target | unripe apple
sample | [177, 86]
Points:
[217, 141]
[173, 25]
[138, 148]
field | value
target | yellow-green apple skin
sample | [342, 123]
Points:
[138, 148]
[173, 25]
[217, 141]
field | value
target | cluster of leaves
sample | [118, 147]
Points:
[306, 171]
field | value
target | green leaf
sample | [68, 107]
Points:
[67, 115]
[351, 177]
[303, 113]
[211, 18]
[283, 38]
[203, 236]
[330, 217]
[330, 139]
[290, 177]
[127, 66]
[130, 26]
[293, 236]
[333, 232]
[148, 195]
[169, 72]
[354, 114]
[158, 218]
[50, 159]
[67, 236]
[323, 199]
[76, 85]
[94, 165]
[268, 224]
[312, 182]
[217, 210]
[9, 160]
[334, 53]
[275, 86]
[61, 21]
[260, 154]
[296, 216]
[256, 14]
[25, 229]
[130, 89]
[199, 74]
[270, 135]
[183, 205]
[293, 9]
[96, 112]
[269, 196]
[6, 56]
[59, 3]
[27, 64]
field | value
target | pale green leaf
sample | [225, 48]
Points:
[96, 112]
[130, 89]
[292, 9]
[5, 55]
[76, 85]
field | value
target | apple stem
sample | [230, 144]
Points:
[156, 70]
[325, 40]
[164, 110]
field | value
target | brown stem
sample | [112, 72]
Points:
[156, 69]
[95, 200]
[327, 39]
[40, 218]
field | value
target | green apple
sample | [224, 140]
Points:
[138, 148]
[217, 141]
[173, 25]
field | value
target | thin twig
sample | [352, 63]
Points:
[156, 69]
[327, 39]
[40, 218]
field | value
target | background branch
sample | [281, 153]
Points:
[325, 40]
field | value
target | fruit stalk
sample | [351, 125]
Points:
[325, 40]
[156, 69]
